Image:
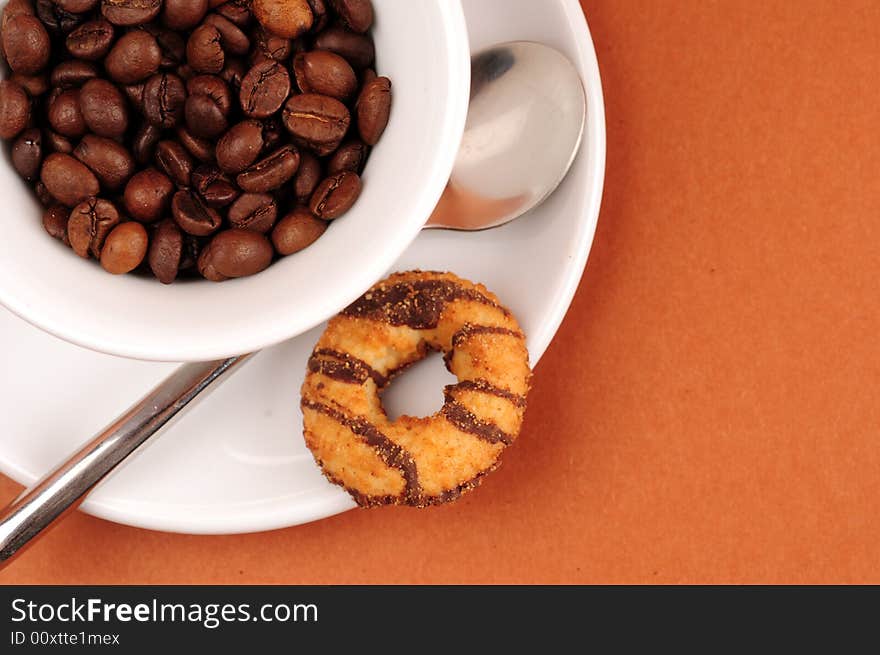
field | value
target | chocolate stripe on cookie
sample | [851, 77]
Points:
[466, 421]
[389, 452]
[469, 330]
[344, 367]
[483, 386]
[417, 304]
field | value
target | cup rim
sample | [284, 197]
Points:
[454, 30]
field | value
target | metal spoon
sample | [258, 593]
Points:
[525, 122]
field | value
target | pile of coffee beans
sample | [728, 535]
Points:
[190, 137]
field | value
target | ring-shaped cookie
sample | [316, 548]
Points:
[415, 460]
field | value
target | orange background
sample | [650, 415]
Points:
[708, 411]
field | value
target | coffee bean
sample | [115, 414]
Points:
[104, 108]
[192, 248]
[43, 196]
[55, 222]
[326, 73]
[130, 12]
[270, 46]
[64, 113]
[236, 11]
[307, 177]
[174, 160]
[204, 118]
[373, 108]
[76, 6]
[201, 149]
[184, 14]
[232, 39]
[351, 156]
[57, 143]
[72, 73]
[135, 94]
[26, 44]
[367, 75]
[235, 253]
[171, 44]
[216, 189]
[164, 100]
[203, 50]
[335, 195]
[297, 230]
[111, 163]
[356, 15]
[233, 73]
[56, 19]
[35, 85]
[240, 146]
[15, 8]
[193, 215]
[124, 248]
[144, 144]
[214, 87]
[67, 179]
[166, 249]
[27, 154]
[254, 211]
[287, 18]
[270, 173]
[91, 40]
[320, 14]
[264, 89]
[133, 58]
[148, 195]
[15, 109]
[317, 122]
[273, 134]
[357, 49]
[89, 224]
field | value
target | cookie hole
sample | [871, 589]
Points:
[418, 391]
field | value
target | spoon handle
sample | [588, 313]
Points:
[62, 490]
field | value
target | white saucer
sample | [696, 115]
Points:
[236, 462]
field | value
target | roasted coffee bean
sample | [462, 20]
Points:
[232, 39]
[214, 87]
[203, 50]
[192, 247]
[55, 222]
[320, 14]
[174, 160]
[26, 44]
[236, 11]
[240, 147]
[46, 199]
[356, 15]
[148, 195]
[171, 44]
[35, 85]
[72, 73]
[307, 177]
[111, 163]
[15, 109]
[270, 46]
[357, 49]
[204, 117]
[27, 154]
[186, 72]
[15, 8]
[297, 230]
[264, 89]
[335, 195]
[164, 100]
[133, 58]
[235, 253]
[373, 108]
[287, 18]
[57, 143]
[326, 73]
[270, 173]
[368, 75]
[166, 249]
[183, 15]
[317, 122]
[351, 156]
[193, 215]
[144, 144]
[67, 179]
[124, 248]
[130, 12]
[103, 108]
[76, 6]
[233, 73]
[135, 94]
[89, 224]
[201, 149]
[254, 211]
[64, 114]
[273, 134]
[91, 40]
[56, 19]
[216, 189]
